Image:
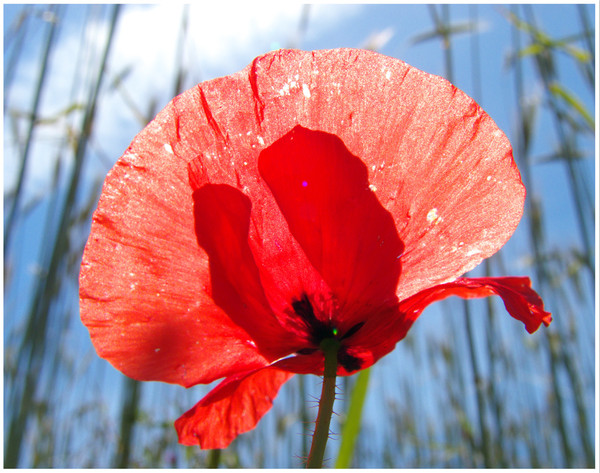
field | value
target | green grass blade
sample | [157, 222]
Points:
[352, 424]
[559, 91]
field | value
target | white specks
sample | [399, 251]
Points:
[473, 252]
[249, 133]
[245, 163]
[388, 75]
[132, 286]
[285, 90]
[156, 350]
[260, 140]
[497, 133]
[168, 148]
[433, 217]
[251, 343]
[373, 187]
[373, 167]
[306, 91]
[488, 178]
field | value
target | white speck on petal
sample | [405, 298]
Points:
[260, 140]
[306, 91]
[433, 217]
[156, 350]
[489, 178]
[388, 74]
[285, 90]
[373, 187]
[168, 148]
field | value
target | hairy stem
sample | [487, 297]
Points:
[330, 347]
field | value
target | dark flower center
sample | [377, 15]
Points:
[319, 330]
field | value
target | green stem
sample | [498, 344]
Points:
[329, 347]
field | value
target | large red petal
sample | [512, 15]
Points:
[144, 281]
[324, 195]
[222, 219]
[232, 408]
[435, 160]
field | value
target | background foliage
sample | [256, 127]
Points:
[467, 387]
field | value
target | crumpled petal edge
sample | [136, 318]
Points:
[520, 300]
[233, 407]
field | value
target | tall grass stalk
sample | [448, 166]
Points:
[16, 198]
[558, 358]
[30, 358]
[545, 63]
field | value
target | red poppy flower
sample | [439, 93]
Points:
[311, 195]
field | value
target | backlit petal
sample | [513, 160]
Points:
[436, 161]
[346, 234]
[521, 302]
[222, 219]
[232, 408]
[145, 282]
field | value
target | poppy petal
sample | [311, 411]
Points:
[521, 302]
[377, 338]
[324, 195]
[232, 408]
[144, 281]
[222, 219]
[436, 161]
